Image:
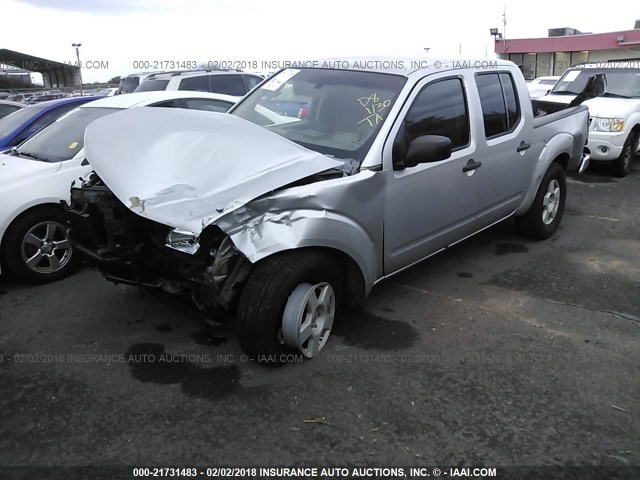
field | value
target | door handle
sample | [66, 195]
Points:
[523, 146]
[471, 165]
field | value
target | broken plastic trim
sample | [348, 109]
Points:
[183, 241]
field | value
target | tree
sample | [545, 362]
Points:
[114, 80]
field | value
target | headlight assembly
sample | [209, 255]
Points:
[182, 241]
[608, 124]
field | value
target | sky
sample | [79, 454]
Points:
[119, 36]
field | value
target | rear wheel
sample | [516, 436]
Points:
[36, 248]
[545, 213]
[622, 165]
[289, 303]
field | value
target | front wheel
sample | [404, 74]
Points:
[544, 215]
[621, 166]
[289, 303]
[36, 248]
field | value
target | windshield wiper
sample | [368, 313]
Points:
[564, 92]
[614, 95]
[33, 155]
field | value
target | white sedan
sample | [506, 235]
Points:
[36, 176]
[540, 86]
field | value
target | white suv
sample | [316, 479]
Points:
[614, 128]
[227, 82]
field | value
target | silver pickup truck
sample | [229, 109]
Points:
[319, 184]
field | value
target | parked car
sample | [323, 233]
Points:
[540, 86]
[614, 131]
[7, 107]
[107, 92]
[20, 97]
[129, 83]
[218, 81]
[281, 223]
[36, 176]
[20, 125]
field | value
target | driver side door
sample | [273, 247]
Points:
[433, 204]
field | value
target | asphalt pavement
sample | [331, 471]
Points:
[501, 351]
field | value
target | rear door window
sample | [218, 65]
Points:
[195, 84]
[500, 109]
[227, 84]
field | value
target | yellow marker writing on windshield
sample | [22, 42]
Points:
[73, 145]
[373, 106]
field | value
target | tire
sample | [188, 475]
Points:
[267, 291]
[52, 259]
[532, 224]
[621, 166]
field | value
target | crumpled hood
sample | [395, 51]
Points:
[16, 170]
[606, 107]
[187, 168]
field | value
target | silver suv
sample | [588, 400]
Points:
[227, 82]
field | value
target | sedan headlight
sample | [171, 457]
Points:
[182, 241]
[608, 124]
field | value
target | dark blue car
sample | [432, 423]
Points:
[18, 126]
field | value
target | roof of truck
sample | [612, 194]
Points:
[403, 66]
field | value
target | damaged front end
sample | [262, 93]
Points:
[130, 249]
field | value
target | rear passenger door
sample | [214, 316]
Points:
[504, 142]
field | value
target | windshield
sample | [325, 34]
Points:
[64, 138]
[15, 120]
[334, 112]
[621, 82]
[152, 86]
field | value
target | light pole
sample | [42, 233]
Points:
[77, 47]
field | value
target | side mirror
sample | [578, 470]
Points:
[426, 149]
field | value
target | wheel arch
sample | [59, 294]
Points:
[562, 159]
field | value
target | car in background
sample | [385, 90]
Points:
[219, 81]
[46, 96]
[18, 97]
[7, 107]
[614, 125]
[16, 127]
[129, 83]
[541, 86]
[35, 177]
[106, 92]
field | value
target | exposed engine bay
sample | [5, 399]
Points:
[134, 250]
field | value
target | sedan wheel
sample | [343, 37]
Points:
[45, 248]
[35, 248]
